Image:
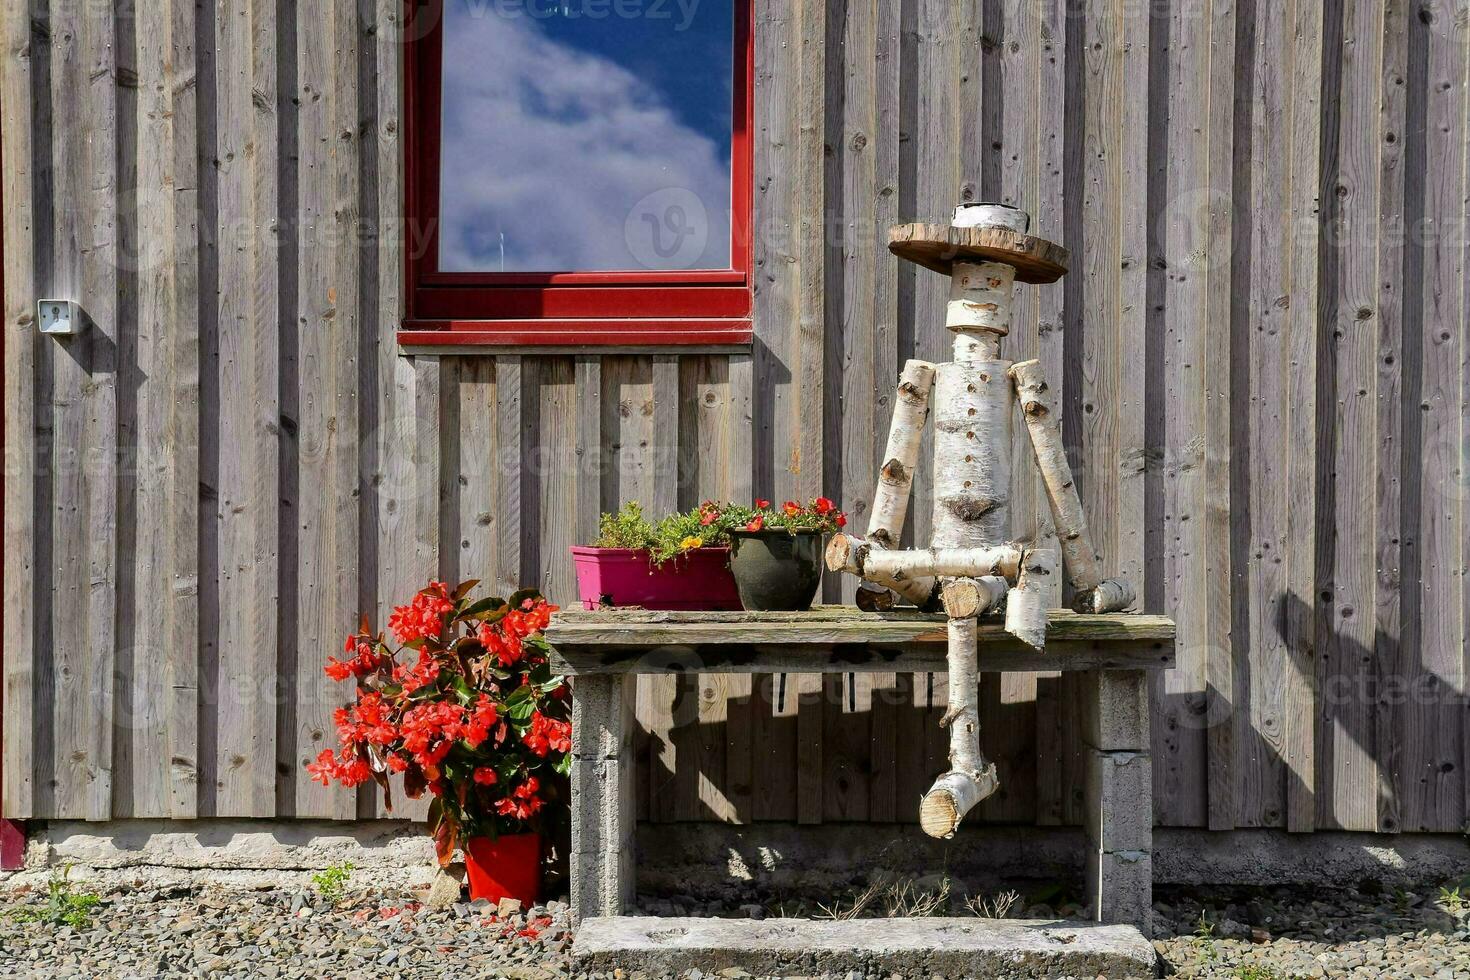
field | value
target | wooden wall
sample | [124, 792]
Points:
[1261, 348]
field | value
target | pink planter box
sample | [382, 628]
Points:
[698, 579]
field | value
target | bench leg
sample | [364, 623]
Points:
[1119, 797]
[603, 809]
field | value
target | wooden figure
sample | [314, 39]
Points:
[973, 566]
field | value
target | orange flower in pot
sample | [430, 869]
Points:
[776, 553]
[467, 709]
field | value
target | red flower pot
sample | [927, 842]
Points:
[697, 579]
[508, 866]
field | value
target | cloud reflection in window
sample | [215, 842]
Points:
[556, 156]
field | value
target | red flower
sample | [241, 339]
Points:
[485, 776]
[823, 506]
[840, 520]
[348, 770]
[548, 735]
[421, 619]
[756, 524]
[761, 504]
[791, 508]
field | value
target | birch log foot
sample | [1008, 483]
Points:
[874, 598]
[1113, 595]
[952, 796]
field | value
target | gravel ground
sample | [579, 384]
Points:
[138, 929]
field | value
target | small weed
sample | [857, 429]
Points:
[1452, 900]
[1204, 936]
[891, 899]
[842, 911]
[1255, 972]
[331, 884]
[905, 899]
[63, 906]
[998, 907]
[1402, 900]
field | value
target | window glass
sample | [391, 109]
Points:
[586, 135]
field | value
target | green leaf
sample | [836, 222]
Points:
[564, 764]
[517, 598]
[487, 604]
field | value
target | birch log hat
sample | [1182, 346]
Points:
[981, 233]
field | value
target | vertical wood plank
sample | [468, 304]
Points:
[1393, 482]
[1348, 797]
[160, 705]
[1185, 253]
[557, 461]
[590, 458]
[84, 451]
[474, 479]
[249, 410]
[509, 463]
[1304, 452]
[17, 252]
[1433, 777]
[395, 478]
[327, 585]
[1278, 585]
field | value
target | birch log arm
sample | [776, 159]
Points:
[1079, 558]
[846, 553]
[895, 483]
[901, 456]
[1003, 560]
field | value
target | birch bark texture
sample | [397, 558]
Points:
[1091, 593]
[895, 485]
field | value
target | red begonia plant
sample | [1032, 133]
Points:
[466, 708]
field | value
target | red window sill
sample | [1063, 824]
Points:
[679, 332]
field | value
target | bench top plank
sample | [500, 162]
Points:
[838, 639]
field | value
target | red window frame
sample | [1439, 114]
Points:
[632, 308]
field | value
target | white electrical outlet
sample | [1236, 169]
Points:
[59, 317]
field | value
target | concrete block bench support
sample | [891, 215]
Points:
[604, 811]
[1118, 804]
[603, 652]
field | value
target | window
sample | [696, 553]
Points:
[578, 172]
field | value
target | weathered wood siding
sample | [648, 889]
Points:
[1261, 350]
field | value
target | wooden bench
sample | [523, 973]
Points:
[604, 651]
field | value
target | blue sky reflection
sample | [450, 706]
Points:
[578, 137]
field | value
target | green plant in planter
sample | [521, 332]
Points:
[670, 537]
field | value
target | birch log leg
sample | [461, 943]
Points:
[1026, 603]
[895, 484]
[970, 778]
[1083, 569]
